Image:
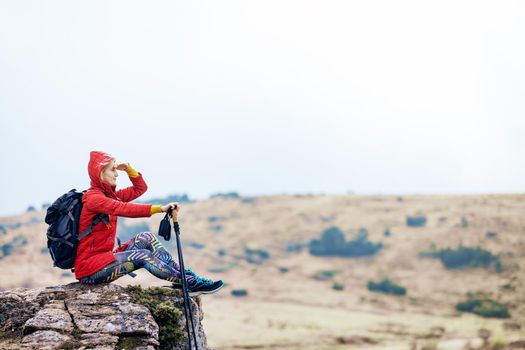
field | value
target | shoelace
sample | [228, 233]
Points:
[189, 271]
[198, 279]
[204, 280]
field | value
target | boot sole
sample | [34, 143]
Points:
[193, 294]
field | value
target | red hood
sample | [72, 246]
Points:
[97, 161]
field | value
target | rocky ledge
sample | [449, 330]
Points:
[108, 316]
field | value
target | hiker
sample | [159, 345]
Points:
[97, 261]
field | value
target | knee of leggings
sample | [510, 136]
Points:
[148, 235]
[145, 254]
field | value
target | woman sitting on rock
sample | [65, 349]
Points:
[97, 261]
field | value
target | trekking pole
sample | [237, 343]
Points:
[185, 293]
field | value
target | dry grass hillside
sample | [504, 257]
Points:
[296, 300]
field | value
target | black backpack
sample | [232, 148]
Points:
[63, 218]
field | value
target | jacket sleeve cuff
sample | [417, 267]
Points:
[156, 209]
[131, 171]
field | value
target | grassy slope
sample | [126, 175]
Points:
[294, 308]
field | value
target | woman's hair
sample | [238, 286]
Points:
[111, 162]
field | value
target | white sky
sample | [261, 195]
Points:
[263, 97]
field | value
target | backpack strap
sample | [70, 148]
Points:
[100, 217]
[62, 239]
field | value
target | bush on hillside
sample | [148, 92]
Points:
[226, 195]
[482, 305]
[386, 286]
[333, 243]
[338, 286]
[194, 244]
[7, 249]
[248, 200]
[239, 292]
[416, 221]
[468, 257]
[491, 234]
[214, 218]
[256, 256]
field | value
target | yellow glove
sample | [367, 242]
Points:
[131, 171]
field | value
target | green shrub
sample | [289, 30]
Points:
[248, 200]
[194, 244]
[491, 234]
[256, 256]
[468, 257]
[284, 269]
[221, 252]
[239, 292]
[508, 286]
[386, 286]
[226, 195]
[387, 232]
[338, 286]
[159, 301]
[464, 257]
[482, 305]
[333, 243]
[19, 241]
[6, 249]
[214, 218]
[464, 222]
[416, 221]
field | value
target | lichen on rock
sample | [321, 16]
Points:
[105, 316]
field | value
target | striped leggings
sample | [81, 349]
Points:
[144, 250]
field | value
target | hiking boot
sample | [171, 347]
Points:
[203, 285]
[199, 285]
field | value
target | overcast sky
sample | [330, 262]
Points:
[263, 97]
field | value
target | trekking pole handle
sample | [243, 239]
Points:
[173, 214]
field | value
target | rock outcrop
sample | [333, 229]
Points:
[108, 316]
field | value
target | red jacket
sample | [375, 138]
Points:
[96, 249]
